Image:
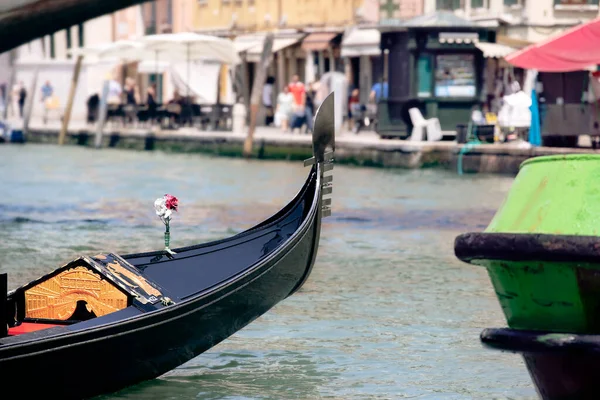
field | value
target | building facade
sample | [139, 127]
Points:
[308, 37]
[529, 21]
[243, 16]
[400, 9]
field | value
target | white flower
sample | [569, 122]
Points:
[159, 206]
[161, 209]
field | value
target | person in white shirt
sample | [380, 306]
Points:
[114, 92]
[285, 109]
[267, 100]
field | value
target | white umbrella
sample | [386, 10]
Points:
[90, 52]
[192, 46]
[187, 46]
[125, 50]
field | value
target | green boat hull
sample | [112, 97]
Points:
[553, 207]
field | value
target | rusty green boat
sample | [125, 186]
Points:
[542, 253]
[542, 249]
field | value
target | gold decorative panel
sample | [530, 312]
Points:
[57, 297]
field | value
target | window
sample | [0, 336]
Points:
[170, 12]
[424, 75]
[80, 36]
[514, 3]
[69, 41]
[149, 16]
[52, 46]
[478, 4]
[448, 5]
[455, 75]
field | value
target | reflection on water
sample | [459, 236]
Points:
[277, 375]
[387, 313]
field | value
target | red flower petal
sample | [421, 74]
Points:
[171, 202]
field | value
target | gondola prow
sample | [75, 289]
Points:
[323, 139]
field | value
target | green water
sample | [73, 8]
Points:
[387, 313]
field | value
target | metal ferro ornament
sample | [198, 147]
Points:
[323, 149]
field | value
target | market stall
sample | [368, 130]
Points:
[431, 62]
[566, 86]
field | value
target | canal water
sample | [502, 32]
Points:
[387, 313]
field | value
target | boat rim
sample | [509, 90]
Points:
[542, 341]
[506, 246]
[560, 157]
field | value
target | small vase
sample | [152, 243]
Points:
[168, 239]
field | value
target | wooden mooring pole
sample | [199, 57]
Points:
[102, 114]
[257, 87]
[29, 105]
[8, 99]
[67, 116]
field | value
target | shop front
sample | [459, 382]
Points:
[436, 67]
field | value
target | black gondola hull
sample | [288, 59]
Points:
[93, 363]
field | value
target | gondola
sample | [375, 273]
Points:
[100, 324]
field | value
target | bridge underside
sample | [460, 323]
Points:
[22, 21]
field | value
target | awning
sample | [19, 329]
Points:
[515, 43]
[494, 50]
[246, 42]
[573, 50]
[361, 42]
[318, 41]
[279, 43]
[282, 43]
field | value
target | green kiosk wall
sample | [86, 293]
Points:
[439, 70]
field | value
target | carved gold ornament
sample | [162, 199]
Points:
[57, 297]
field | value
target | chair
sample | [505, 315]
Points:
[52, 105]
[421, 127]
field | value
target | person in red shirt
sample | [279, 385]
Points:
[353, 107]
[298, 90]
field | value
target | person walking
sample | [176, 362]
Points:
[379, 91]
[47, 91]
[311, 106]
[151, 102]
[131, 100]
[285, 109]
[47, 100]
[267, 99]
[298, 90]
[21, 95]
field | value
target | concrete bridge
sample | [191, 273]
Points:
[21, 21]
